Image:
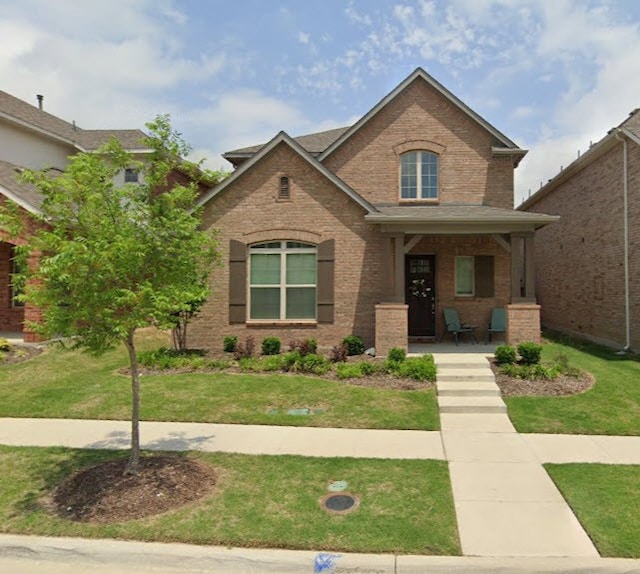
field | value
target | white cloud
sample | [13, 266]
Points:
[303, 38]
[355, 16]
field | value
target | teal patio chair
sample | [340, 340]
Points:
[497, 323]
[456, 327]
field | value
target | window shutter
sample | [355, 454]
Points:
[326, 264]
[484, 276]
[237, 282]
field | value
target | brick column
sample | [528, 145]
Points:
[392, 324]
[523, 323]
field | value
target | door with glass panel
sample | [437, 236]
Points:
[420, 294]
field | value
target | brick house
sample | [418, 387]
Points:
[373, 229]
[589, 264]
[32, 138]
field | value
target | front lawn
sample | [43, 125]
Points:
[259, 501]
[611, 407]
[606, 499]
[61, 384]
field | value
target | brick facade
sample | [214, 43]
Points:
[369, 260]
[523, 323]
[580, 261]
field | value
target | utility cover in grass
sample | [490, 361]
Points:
[340, 503]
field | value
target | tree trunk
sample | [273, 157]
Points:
[134, 457]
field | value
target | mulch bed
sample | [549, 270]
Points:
[562, 386]
[19, 353]
[103, 493]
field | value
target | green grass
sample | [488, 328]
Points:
[611, 407]
[606, 499]
[406, 506]
[71, 384]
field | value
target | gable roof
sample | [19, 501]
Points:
[285, 138]
[314, 143]
[25, 195]
[21, 113]
[629, 128]
[420, 74]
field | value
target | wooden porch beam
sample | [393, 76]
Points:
[502, 242]
[409, 245]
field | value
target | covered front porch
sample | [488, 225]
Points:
[471, 259]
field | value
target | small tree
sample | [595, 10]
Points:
[181, 319]
[115, 259]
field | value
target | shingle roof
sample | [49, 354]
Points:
[21, 112]
[315, 143]
[632, 123]
[455, 214]
[25, 195]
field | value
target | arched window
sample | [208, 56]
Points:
[418, 175]
[282, 281]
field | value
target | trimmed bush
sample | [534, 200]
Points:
[312, 363]
[230, 344]
[274, 363]
[339, 354]
[532, 372]
[355, 345]
[270, 346]
[505, 355]
[530, 353]
[4, 345]
[397, 355]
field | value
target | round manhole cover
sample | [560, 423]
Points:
[340, 503]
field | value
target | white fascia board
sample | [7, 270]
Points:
[19, 201]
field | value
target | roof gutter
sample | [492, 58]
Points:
[620, 135]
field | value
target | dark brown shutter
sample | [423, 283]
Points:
[484, 276]
[237, 282]
[326, 264]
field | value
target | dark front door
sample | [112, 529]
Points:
[420, 294]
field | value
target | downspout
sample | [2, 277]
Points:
[625, 192]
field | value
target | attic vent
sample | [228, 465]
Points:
[284, 191]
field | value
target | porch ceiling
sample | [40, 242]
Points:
[456, 219]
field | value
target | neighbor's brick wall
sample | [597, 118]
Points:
[579, 261]
[391, 327]
[248, 211]
[369, 160]
[474, 310]
[523, 323]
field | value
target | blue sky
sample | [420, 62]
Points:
[552, 75]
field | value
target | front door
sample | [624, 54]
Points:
[420, 294]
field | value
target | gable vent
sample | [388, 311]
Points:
[284, 192]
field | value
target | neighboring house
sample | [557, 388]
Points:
[373, 229]
[589, 264]
[33, 138]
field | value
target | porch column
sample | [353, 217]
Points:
[398, 268]
[522, 268]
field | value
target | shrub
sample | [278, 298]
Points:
[250, 364]
[505, 355]
[274, 363]
[355, 345]
[270, 346]
[4, 345]
[312, 363]
[230, 344]
[246, 349]
[339, 353]
[165, 358]
[397, 355]
[530, 352]
[348, 371]
[532, 372]
[418, 368]
[304, 346]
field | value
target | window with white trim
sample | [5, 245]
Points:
[418, 176]
[282, 281]
[465, 276]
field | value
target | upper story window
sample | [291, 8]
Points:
[131, 175]
[418, 176]
[282, 281]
